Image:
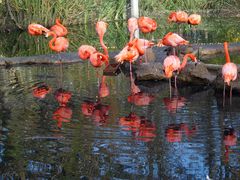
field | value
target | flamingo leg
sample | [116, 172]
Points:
[175, 81]
[230, 94]
[170, 88]
[130, 68]
[224, 94]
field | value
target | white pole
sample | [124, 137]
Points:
[135, 13]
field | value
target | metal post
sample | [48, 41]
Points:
[134, 8]
[135, 13]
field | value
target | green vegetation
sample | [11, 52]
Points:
[21, 13]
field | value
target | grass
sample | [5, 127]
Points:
[75, 12]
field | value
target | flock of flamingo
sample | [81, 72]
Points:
[135, 48]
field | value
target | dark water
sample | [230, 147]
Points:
[54, 124]
[120, 136]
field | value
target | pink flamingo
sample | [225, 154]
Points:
[172, 64]
[146, 24]
[178, 17]
[37, 29]
[85, 51]
[132, 26]
[194, 19]
[58, 44]
[229, 72]
[97, 59]
[59, 29]
[172, 39]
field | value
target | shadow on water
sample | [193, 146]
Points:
[70, 121]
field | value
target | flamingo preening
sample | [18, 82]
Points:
[37, 29]
[229, 72]
[57, 44]
[59, 29]
[172, 65]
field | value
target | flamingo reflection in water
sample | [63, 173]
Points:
[142, 129]
[41, 90]
[63, 112]
[96, 110]
[173, 132]
[137, 97]
[230, 139]
[173, 104]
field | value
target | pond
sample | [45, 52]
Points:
[57, 123]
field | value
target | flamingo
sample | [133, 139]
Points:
[146, 24]
[178, 17]
[85, 51]
[97, 59]
[37, 29]
[132, 26]
[57, 44]
[229, 72]
[59, 29]
[172, 39]
[101, 28]
[194, 19]
[172, 64]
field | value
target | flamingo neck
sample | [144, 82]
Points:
[226, 52]
[53, 40]
[185, 58]
[65, 31]
[131, 36]
[103, 45]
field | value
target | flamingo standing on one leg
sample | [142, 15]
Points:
[59, 29]
[172, 64]
[229, 72]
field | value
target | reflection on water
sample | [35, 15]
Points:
[75, 132]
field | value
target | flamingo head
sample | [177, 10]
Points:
[172, 17]
[227, 78]
[97, 59]
[168, 71]
[101, 28]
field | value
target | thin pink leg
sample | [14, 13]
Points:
[170, 88]
[224, 95]
[231, 94]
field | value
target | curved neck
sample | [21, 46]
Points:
[65, 31]
[103, 45]
[185, 58]
[52, 41]
[226, 52]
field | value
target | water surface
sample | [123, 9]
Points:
[123, 135]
